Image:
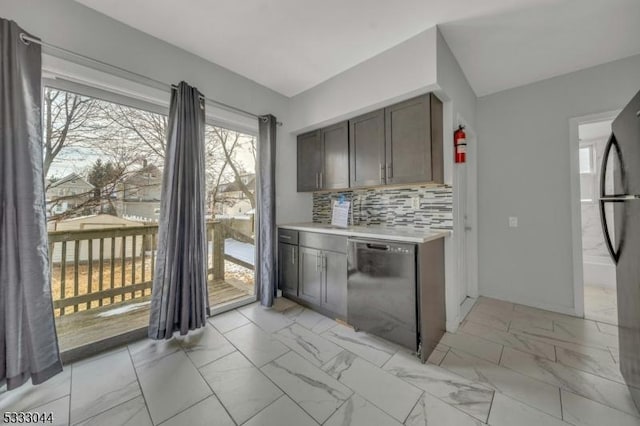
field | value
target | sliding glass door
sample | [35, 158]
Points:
[231, 213]
[104, 164]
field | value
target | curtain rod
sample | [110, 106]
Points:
[27, 39]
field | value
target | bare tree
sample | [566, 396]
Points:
[215, 168]
[145, 130]
[230, 141]
[118, 135]
[64, 114]
[126, 138]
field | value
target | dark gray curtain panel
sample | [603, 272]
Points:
[266, 232]
[28, 340]
[179, 299]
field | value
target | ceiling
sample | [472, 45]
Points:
[293, 45]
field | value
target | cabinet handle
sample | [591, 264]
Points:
[389, 171]
[321, 180]
[293, 255]
[317, 262]
[317, 180]
[381, 173]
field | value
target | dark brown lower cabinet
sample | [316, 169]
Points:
[310, 276]
[322, 277]
[334, 283]
[288, 269]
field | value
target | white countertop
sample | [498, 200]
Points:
[374, 232]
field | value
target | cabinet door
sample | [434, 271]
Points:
[310, 275]
[408, 141]
[366, 149]
[288, 268]
[335, 144]
[309, 161]
[437, 155]
[334, 294]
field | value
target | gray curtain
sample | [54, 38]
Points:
[28, 340]
[179, 299]
[266, 228]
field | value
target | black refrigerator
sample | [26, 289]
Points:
[622, 237]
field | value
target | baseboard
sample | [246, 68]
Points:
[452, 325]
[465, 307]
[534, 304]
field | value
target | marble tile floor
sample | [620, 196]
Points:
[507, 365]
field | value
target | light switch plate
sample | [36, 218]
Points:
[513, 221]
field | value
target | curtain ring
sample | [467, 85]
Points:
[23, 39]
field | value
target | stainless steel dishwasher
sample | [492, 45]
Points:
[381, 290]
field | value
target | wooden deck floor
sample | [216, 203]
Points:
[93, 325]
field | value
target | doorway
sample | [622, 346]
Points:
[598, 269]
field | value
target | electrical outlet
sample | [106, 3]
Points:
[415, 202]
[513, 221]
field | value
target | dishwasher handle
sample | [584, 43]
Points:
[381, 247]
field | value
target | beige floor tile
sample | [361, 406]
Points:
[580, 411]
[512, 340]
[473, 345]
[608, 392]
[506, 411]
[540, 395]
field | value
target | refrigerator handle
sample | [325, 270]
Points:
[612, 143]
[604, 198]
[615, 255]
[603, 168]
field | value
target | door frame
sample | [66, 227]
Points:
[472, 213]
[576, 210]
[467, 177]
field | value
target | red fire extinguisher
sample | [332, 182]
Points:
[460, 144]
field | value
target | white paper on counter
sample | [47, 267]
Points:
[340, 213]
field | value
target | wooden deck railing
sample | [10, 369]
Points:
[91, 268]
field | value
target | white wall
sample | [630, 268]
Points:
[453, 83]
[398, 73]
[524, 171]
[75, 27]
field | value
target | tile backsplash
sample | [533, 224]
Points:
[392, 207]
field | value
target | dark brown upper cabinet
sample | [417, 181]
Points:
[407, 136]
[366, 149]
[309, 161]
[335, 146]
[436, 142]
[323, 158]
[400, 144]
